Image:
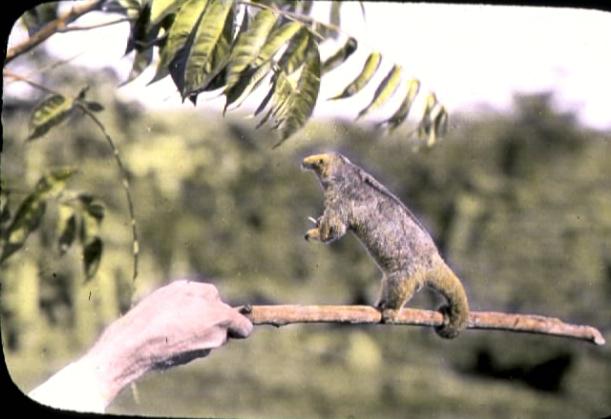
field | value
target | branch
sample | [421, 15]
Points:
[51, 28]
[17, 77]
[295, 17]
[280, 315]
[125, 183]
[96, 26]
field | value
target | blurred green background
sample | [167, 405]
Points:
[519, 203]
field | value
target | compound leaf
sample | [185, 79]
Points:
[162, 8]
[178, 34]
[385, 90]
[49, 113]
[276, 40]
[413, 86]
[340, 56]
[249, 44]
[209, 30]
[369, 69]
[27, 219]
[301, 104]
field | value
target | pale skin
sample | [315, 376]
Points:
[175, 324]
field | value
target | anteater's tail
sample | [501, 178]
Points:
[456, 312]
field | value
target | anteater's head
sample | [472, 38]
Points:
[326, 165]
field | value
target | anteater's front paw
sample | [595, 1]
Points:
[389, 315]
[312, 234]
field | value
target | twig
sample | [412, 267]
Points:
[126, 188]
[280, 315]
[51, 28]
[15, 76]
[96, 26]
[295, 17]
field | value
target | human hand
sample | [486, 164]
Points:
[174, 325]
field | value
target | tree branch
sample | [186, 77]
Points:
[9, 74]
[51, 28]
[281, 315]
[96, 26]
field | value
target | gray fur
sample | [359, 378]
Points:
[399, 244]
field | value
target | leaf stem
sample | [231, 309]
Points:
[125, 184]
[8, 73]
[296, 17]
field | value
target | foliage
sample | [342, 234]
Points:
[78, 212]
[232, 46]
[56, 108]
[50, 112]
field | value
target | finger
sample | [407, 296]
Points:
[239, 327]
[181, 359]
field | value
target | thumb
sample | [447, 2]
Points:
[240, 326]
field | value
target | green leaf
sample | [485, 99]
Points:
[295, 53]
[413, 86]
[209, 30]
[291, 60]
[178, 35]
[425, 127]
[340, 56]
[54, 183]
[385, 90]
[215, 70]
[94, 106]
[438, 125]
[279, 94]
[162, 8]
[131, 7]
[249, 81]
[34, 19]
[139, 28]
[142, 60]
[371, 66]
[217, 66]
[92, 206]
[276, 40]
[92, 255]
[143, 39]
[249, 44]
[301, 104]
[66, 227]
[27, 219]
[49, 113]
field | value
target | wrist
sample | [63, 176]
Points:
[115, 362]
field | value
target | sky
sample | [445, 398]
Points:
[472, 57]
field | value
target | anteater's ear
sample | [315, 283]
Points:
[344, 158]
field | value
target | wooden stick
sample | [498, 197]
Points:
[54, 26]
[281, 315]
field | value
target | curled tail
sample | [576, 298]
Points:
[456, 312]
